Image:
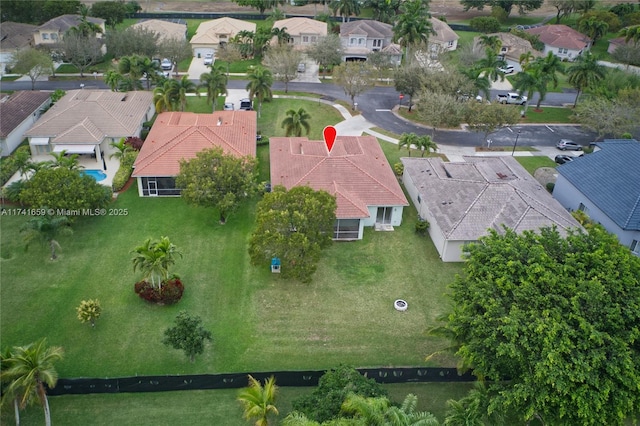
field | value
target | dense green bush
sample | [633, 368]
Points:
[398, 169]
[126, 168]
[531, 38]
[550, 187]
[264, 140]
[170, 292]
[422, 226]
[11, 164]
[485, 24]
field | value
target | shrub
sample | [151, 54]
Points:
[264, 140]
[422, 226]
[9, 165]
[550, 187]
[485, 24]
[531, 38]
[12, 191]
[603, 15]
[499, 13]
[89, 311]
[134, 142]
[126, 168]
[398, 169]
[170, 292]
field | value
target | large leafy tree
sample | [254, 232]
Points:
[187, 334]
[154, 259]
[215, 82]
[295, 122]
[283, 63]
[295, 226]
[345, 8]
[608, 116]
[585, 73]
[506, 5]
[33, 63]
[593, 27]
[259, 86]
[216, 179]
[412, 26]
[327, 51]
[132, 41]
[28, 369]
[82, 50]
[551, 322]
[62, 188]
[487, 118]
[258, 401]
[408, 81]
[113, 12]
[355, 79]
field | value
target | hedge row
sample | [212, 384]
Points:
[126, 168]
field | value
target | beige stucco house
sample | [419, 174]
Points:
[210, 35]
[14, 36]
[52, 31]
[303, 32]
[165, 29]
[361, 38]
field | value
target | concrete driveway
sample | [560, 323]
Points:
[234, 96]
[310, 74]
[197, 68]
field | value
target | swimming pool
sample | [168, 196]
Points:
[98, 175]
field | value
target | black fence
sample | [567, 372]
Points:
[239, 380]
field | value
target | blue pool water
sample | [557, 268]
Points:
[98, 175]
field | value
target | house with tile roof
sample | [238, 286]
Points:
[19, 111]
[444, 39]
[52, 31]
[166, 30]
[179, 136]
[360, 38]
[511, 48]
[563, 41]
[606, 186]
[462, 200]
[355, 171]
[213, 34]
[303, 32]
[87, 121]
[617, 42]
[14, 36]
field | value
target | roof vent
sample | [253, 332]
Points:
[301, 150]
[219, 121]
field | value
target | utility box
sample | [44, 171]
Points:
[275, 265]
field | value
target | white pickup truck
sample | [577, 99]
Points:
[512, 98]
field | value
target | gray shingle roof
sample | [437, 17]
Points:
[64, 22]
[372, 29]
[15, 109]
[610, 179]
[467, 198]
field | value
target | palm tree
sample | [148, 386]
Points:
[631, 33]
[259, 86]
[549, 67]
[28, 369]
[371, 410]
[215, 81]
[121, 148]
[258, 401]
[413, 26]
[525, 59]
[491, 42]
[528, 81]
[489, 66]
[425, 144]
[585, 73]
[154, 258]
[46, 228]
[132, 65]
[345, 8]
[295, 122]
[165, 97]
[406, 414]
[479, 79]
[60, 159]
[182, 87]
[408, 139]
[281, 34]
[112, 78]
[593, 27]
[149, 70]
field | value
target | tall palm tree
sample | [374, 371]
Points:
[425, 144]
[345, 8]
[593, 27]
[406, 414]
[489, 65]
[121, 148]
[585, 73]
[149, 70]
[525, 59]
[182, 87]
[46, 229]
[154, 258]
[479, 79]
[165, 97]
[215, 81]
[408, 139]
[61, 159]
[491, 42]
[259, 86]
[295, 122]
[528, 81]
[281, 34]
[548, 67]
[412, 26]
[112, 78]
[29, 368]
[258, 401]
[631, 33]
[131, 65]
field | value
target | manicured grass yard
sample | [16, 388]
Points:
[274, 112]
[535, 162]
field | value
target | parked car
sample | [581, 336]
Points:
[302, 67]
[511, 98]
[507, 69]
[568, 144]
[208, 59]
[229, 106]
[563, 158]
[166, 64]
[245, 104]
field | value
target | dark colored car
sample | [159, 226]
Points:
[568, 144]
[245, 104]
[563, 158]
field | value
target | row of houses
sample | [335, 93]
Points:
[461, 200]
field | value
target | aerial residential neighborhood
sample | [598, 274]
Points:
[352, 212]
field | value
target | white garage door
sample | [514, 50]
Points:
[202, 51]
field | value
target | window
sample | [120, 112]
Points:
[635, 247]
[305, 39]
[54, 36]
[159, 186]
[377, 43]
[361, 41]
[563, 51]
[45, 36]
[450, 44]
[583, 208]
[314, 39]
[346, 229]
[352, 41]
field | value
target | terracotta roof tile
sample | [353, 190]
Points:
[356, 172]
[560, 36]
[181, 135]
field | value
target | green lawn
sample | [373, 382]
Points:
[548, 115]
[535, 162]
[206, 407]
[275, 111]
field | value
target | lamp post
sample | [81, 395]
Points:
[516, 143]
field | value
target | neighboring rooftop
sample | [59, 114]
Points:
[15, 35]
[356, 172]
[208, 32]
[64, 22]
[165, 29]
[560, 36]
[88, 116]
[302, 26]
[444, 33]
[512, 45]
[16, 108]
[610, 179]
[467, 198]
[181, 135]
[370, 28]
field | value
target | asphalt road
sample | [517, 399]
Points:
[376, 105]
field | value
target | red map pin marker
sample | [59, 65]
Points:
[329, 134]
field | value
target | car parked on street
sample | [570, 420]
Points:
[568, 144]
[563, 158]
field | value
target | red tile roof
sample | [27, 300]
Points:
[356, 172]
[560, 36]
[180, 135]
[16, 108]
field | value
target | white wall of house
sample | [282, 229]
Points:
[11, 142]
[396, 216]
[569, 54]
[572, 199]
[5, 59]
